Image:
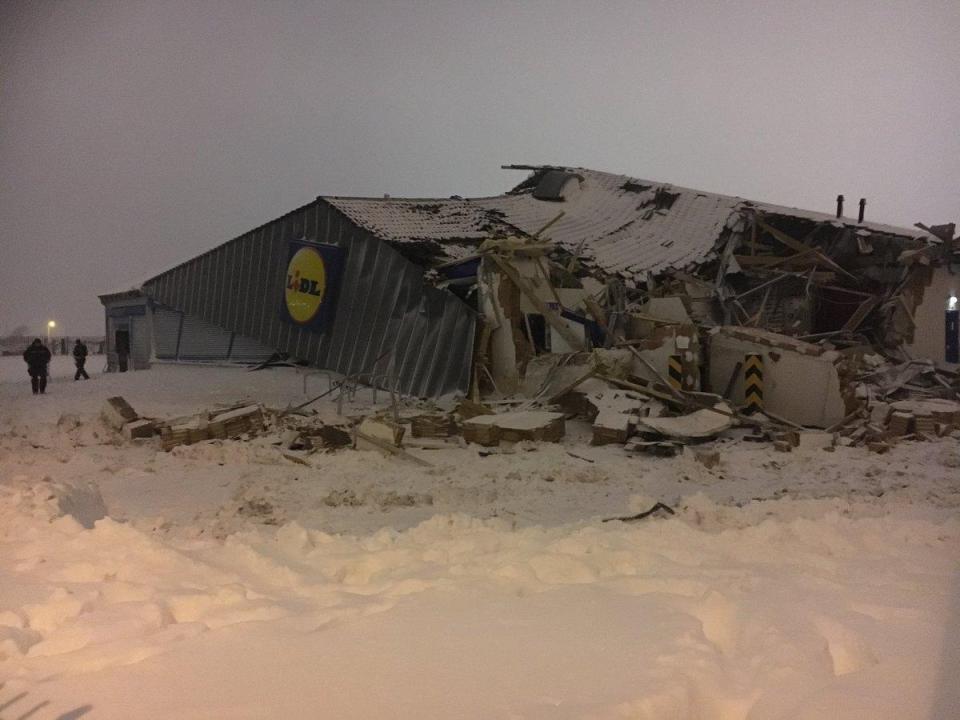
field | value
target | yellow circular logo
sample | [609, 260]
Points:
[306, 284]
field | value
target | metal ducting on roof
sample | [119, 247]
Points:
[557, 185]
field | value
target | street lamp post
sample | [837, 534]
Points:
[50, 326]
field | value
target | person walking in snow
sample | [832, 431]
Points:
[37, 357]
[80, 359]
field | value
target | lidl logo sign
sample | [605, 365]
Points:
[310, 281]
[306, 284]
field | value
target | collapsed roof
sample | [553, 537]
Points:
[614, 224]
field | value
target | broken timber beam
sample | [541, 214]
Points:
[636, 353]
[546, 277]
[799, 247]
[539, 232]
[728, 391]
[860, 314]
[593, 307]
[683, 399]
[391, 449]
[643, 389]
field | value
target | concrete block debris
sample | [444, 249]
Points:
[491, 430]
[139, 429]
[117, 412]
[815, 440]
[382, 429]
[611, 426]
[433, 426]
[230, 424]
[698, 424]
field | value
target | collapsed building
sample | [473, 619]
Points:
[692, 292]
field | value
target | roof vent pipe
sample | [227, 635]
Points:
[839, 205]
[863, 207]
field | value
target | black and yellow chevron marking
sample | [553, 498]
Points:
[753, 382]
[675, 371]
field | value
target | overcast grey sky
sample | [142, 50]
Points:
[135, 134]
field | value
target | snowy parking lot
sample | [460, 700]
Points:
[222, 580]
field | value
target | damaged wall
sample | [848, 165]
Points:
[664, 342]
[801, 381]
[500, 305]
[514, 319]
[929, 337]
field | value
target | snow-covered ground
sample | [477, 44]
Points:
[222, 580]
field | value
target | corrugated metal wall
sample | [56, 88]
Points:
[202, 340]
[384, 308]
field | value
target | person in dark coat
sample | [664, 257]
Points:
[80, 359]
[37, 357]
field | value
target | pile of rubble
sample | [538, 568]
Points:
[242, 421]
[798, 325]
[622, 409]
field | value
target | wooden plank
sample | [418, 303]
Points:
[733, 379]
[837, 288]
[572, 386]
[539, 232]
[593, 307]
[656, 373]
[777, 279]
[764, 260]
[763, 304]
[860, 314]
[649, 391]
[780, 235]
[655, 321]
[801, 248]
[546, 278]
[820, 277]
[392, 450]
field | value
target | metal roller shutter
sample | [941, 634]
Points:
[140, 342]
[166, 332]
[201, 340]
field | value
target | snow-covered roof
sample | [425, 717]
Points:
[132, 287]
[615, 223]
[403, 219]
[623, 225]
